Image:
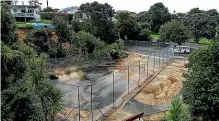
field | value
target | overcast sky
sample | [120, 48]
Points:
[138, 5]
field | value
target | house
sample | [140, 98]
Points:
[70, 10]
[26, 13]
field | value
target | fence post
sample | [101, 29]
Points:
[159, 59]
[139, 71]
[113, 91]
[147, 66]
[79, 110]
[128, 79]
[163, 56]
[91, 100]
[154, 63]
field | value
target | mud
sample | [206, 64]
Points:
[165, 86]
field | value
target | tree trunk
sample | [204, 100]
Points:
[197, 40]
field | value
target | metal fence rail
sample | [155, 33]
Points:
[89, 104]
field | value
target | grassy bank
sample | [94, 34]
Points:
[155, 35]
[30, 26]
[203, 41]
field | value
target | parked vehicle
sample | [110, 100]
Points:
[182, 49]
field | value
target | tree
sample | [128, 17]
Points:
[158, 14]
[217, 35]
[100, 16]
[48, 95]
[142, 16]
[8, 36]
[127, 25]
[26, 92]
[20, 98]
[39, 39]
[85, 44]
[62, 28]
[201, 25]
[174, 31]
[200, 90]
[48, 9]
[178, 111]
[144, 35]
[195, 10]
[18, 101]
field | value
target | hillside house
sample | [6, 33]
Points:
[26, 13]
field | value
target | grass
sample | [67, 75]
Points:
[45, 21]
[203, 41]
[24, 25]
[155, 35]
[29, 26]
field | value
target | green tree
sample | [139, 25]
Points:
[21, 100]
[8, 34]
[86, 44]
[201, 25]
[144, 35]
[217, 35]
[178, 111]
[47, 94]
[40, 40]
[195, 10]
[200, 90]
[62, 28]
[174, 31]
[214, 14]
[48, 9]
[18, 101]
[100, 16]
[127, 25]
[158, 14]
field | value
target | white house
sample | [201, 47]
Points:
[26, 13]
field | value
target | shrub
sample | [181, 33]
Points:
[178, 111]
[51, 15]
[144, 35]
[62, 29]
[40, 38]
[56, 50]
[200, 90]
[116, 49]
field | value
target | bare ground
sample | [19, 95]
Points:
[160, 90]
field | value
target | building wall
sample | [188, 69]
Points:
[36, 13]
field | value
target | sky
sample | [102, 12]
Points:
[137, 5]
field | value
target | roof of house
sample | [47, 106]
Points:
[22, 6]
[69, 9]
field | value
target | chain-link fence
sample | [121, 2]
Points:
[93, 98]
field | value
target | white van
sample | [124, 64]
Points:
[182, 49]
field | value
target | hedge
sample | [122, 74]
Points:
[51, 15]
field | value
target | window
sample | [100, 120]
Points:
[30, 11]
[22, 11]
[15, 10]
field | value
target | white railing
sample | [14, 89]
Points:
[23, 15]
